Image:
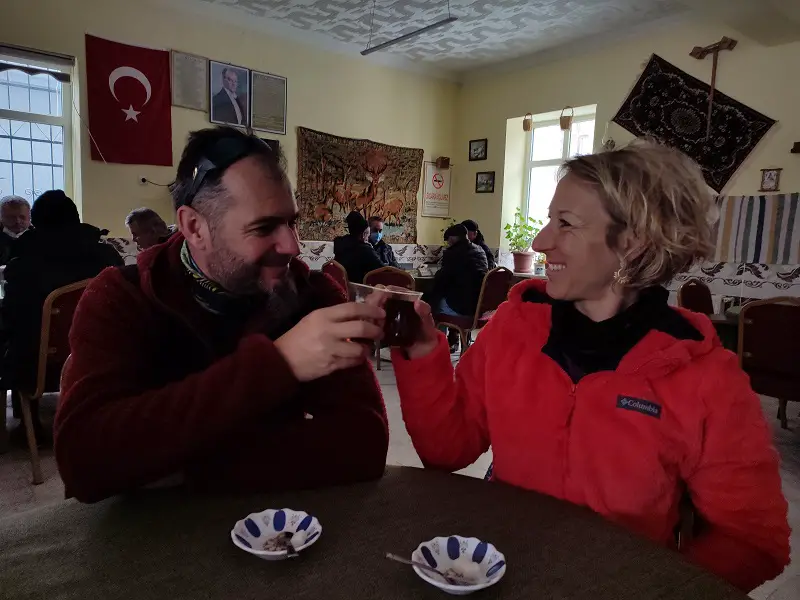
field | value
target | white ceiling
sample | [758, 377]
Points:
[488, 31]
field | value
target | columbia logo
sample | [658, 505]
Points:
[637, 405]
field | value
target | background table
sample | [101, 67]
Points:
[170, 545]
[727, 327]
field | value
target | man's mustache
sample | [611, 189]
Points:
[274, 259]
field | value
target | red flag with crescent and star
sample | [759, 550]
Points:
[129, 103]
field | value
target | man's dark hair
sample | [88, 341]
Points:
[470, 225]
[458, 231]
[222, 146]
[54, 210]
[356, 223]
[375, 219]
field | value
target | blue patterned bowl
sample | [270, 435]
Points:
[258, 533]
[469, 561]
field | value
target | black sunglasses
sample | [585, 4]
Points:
[223, 154]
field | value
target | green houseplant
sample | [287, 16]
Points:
[520, 235]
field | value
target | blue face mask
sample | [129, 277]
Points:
[375, 237]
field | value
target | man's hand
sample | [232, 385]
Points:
[427, 339]
[327, 339]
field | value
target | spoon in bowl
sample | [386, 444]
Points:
[420, 565]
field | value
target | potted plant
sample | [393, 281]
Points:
[520, 235]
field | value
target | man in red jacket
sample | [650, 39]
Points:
[219, 357]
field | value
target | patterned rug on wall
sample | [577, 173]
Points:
[672, 106]
[336, 175]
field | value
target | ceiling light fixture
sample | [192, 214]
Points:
[441, 23]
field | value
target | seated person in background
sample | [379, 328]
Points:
[59, 250]
[457, 284]
[353, 251]
[476, 237]
[147, 228]
[219, 357]
[590, 388]
[15, 218]
[382, 249]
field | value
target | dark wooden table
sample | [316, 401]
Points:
[166, 544]
[727, 327]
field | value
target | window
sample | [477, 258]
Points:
[35, 127]
[549, 147]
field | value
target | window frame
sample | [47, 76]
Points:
[552, 162]
[8, 55]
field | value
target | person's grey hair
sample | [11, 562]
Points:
[147, 216]
[13, 200]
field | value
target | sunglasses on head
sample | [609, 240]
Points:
[223, 154]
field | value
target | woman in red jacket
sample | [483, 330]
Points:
[590, 388]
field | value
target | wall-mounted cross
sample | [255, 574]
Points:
[700, 52]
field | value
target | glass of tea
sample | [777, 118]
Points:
[402, 326]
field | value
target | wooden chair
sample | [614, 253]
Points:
[695, 295]
[494, 291]
[389, 276]
[339, 274]
[59, 308]
[769, 349]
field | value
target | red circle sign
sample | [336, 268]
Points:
[438, 180]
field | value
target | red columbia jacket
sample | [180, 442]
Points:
[674, 415]
[151, 392]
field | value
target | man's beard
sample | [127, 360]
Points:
[241, 278]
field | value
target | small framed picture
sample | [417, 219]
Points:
[268, 102]
[770, 180]
[484, 182]
[478, 149]
[229, 94]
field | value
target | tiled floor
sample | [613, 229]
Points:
[16, 493]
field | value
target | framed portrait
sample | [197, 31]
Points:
[484, 182]
[229, 94]
[268, 102]
[478, 149]
[770, 180]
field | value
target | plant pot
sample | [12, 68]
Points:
[523, 262]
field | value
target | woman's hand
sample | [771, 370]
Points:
[427, 337]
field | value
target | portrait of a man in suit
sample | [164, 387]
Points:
[229, 94]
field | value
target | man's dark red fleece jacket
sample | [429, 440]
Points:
[158, 386]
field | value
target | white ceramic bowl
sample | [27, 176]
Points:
[456, 552]
[256, 530]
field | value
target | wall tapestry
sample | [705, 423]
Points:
[336, 175]
[759, 229]
[671, 106]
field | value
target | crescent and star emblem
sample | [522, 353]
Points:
[119, 73]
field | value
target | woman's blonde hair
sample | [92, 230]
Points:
[659, 195]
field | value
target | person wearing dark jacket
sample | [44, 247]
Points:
[219, 358]
[476, 237]
[15, 219]
[59, 250]
[353, 251]
[382, 249]
[457, 284]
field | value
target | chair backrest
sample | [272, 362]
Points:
[339, 274]
[57, 313]
[494, 290]
[390, 276]
[769, 347]
[695, 296]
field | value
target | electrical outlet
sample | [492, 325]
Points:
[142, 180]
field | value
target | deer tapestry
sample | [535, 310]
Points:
[336, 175]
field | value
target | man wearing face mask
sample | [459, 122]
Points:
[382, 249]
[219, 358]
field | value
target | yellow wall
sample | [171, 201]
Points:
[765, 79]
[330, 92]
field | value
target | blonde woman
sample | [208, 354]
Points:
[590, 388]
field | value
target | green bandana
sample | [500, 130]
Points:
[208, 294]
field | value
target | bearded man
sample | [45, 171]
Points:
[220, 357]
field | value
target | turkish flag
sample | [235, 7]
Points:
[129, 103]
